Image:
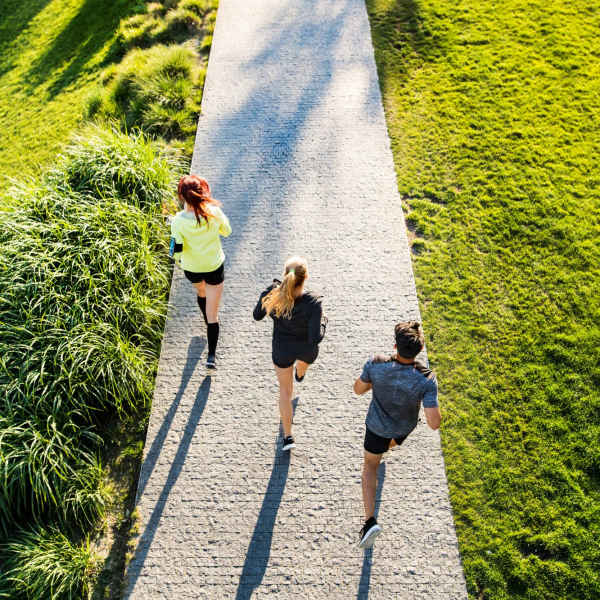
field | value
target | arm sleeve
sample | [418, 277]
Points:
[365, 376]
[225, 227]
[430, 397]
[259, 312]
[314, 323]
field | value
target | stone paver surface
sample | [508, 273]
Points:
[294, 142]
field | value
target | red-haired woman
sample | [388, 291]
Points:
[196, 245]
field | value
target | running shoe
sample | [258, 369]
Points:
[298, 379]
[288, 443]
[211, 362]
[368, 533]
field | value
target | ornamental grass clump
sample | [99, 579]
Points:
[84, 276]
[48, 471]
[168, 21]
[40, 564]
[157, 90]
[106, 163]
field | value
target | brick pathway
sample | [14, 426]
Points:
[294, 142]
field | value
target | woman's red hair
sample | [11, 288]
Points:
[195, 191]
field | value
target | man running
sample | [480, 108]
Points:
[399, 385]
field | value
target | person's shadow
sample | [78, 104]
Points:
[365, 576]
[259, 549]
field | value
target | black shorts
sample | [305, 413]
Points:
[285, 355]
[375, 444]
[212, 278]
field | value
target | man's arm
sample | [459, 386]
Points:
[433, 416]
[363, 384]
[361, 387]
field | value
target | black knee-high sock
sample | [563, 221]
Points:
[212, 332]
[202, 305]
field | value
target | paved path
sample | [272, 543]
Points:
[294, 142]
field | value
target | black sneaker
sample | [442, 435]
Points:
[368, 533]
[211, 362]
[298, 379]
[288, 443]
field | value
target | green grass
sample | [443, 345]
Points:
[44, 563]
[493, 110]
[84, 278]
[157, 89]
[84, 272]
[51, 55]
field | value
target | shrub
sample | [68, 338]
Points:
[83, 279]
[46, 469]
[168, 21]
[157, 90]
[45, 565]
[108, 163]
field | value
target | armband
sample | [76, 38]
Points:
[174, 247]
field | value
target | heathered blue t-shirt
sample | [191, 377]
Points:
[398, 391]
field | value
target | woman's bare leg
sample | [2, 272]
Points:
[286, 390]
[301, 368]
[200, 289]
[213, 300]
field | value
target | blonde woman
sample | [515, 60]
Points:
[297, 331]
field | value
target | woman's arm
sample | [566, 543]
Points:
[224, 227]
[314, 323]
[176, 243]
[259, 312]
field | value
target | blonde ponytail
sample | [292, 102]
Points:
[280, 300]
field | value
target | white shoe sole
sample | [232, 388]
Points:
[288, 447]
[370, 538]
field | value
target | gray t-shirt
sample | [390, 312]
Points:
[398, 391]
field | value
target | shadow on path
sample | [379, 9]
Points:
[147, 536]
[259, 550]
[365, 576]
[195, 349]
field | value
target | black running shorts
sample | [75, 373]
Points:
[212, 278]
[286, 354]
[375, 444]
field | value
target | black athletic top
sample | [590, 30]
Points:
[304, 324]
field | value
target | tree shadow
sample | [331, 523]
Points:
[365, 576]
[259, 550]
[146, 538]
[247, 176]
[15, 16]
[400, 34]
[84, 36]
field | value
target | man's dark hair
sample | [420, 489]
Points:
[409, 339]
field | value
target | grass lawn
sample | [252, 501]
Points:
[51, 55]
[494, 114]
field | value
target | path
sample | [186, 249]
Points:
[294, 142]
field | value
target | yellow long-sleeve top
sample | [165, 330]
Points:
[202, 250]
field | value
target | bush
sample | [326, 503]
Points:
[83, 279]
[168, 21]
[47, 469]
[157, 90]
[108, 163]
[45, 565]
